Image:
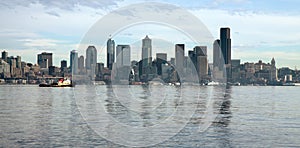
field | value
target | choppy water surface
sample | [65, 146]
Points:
[249, 116]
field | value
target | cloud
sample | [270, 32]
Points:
[41, 24]
[219, 2]
[41, 43]
[16, 33]
[64, 5]
[53, 13]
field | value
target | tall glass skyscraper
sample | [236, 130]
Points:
[91, 58]
[225, 44]
[74, 61]
[110, 53]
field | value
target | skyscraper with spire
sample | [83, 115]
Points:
[146, 51]
[273, 71]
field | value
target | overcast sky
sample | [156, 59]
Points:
[260, 30]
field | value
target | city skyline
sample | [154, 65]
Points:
[252, 24]
[148, 67]
[46, 58]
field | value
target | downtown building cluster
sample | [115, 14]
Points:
[121, 69]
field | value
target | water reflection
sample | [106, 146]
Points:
[222, 122]
[225, 112]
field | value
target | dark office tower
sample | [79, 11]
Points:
[179, 57]
[217, 58]
[44, 60]
[91, 57]
[110, 53]
[18, 60]
[13, 65]
[161, 58]
[74, 62]
[146, 51]
[225, 44]
[4, 55]
[63, 64]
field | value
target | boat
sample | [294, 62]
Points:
[213, 83]
[288, 84]
[61, 83]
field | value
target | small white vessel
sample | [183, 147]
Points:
[297, 84]
[213, 83]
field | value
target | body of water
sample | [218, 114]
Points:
[156, 116]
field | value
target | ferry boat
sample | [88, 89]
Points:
[61, 83]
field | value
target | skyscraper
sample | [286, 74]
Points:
[123, 63]
[123, 55]
[4, 55]
[201, 61]
[91, 57]
[217, 58]
[179, 57]
[273, 71]
[44, 60]
[146, 51]
[110, 53]
[161, 58]
[18, 60]
[81, 63]
[225, 44]
[63, 66]
[200, 50]
[74, 62]
[236, 70]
